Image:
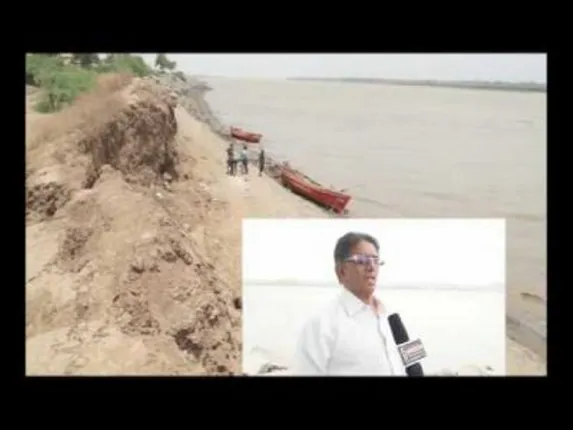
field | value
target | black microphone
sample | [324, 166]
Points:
[411, 352]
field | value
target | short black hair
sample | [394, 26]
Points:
[345, 244]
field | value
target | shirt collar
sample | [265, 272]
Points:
[353, 305]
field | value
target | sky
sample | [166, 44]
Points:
[415, 251]
[484, 67]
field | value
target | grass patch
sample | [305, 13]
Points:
[63, 80]
[124, 63]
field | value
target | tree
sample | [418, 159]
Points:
[109, 58]
[160, 61]
[86, 60]
[39, 65]
[125, 63]
[163, 63]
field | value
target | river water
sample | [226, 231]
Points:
[412, 151]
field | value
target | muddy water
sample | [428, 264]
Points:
[416, 152]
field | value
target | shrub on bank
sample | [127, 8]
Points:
[122, 63]
[62, 82]
[180, 75]
[63, 78]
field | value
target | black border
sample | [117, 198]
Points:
[188, 39]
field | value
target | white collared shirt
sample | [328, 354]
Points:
[348, 338]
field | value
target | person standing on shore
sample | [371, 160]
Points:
[261, 162]
[352, 336]
[230, 160]
[245, 160]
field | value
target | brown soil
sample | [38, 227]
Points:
[111, 262]
[133, 237]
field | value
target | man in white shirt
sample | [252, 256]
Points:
[352, 335]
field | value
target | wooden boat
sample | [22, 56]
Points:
[306, 187]
[245, 136]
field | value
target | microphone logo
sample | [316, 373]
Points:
[412, 351]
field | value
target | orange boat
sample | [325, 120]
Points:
[306, 187]
[245, 136]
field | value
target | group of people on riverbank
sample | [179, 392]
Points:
[236, 159]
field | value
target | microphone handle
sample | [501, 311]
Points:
[415, 370]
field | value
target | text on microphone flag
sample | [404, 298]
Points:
[412, 351]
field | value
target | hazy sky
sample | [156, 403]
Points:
[500, 67]
[416, 252]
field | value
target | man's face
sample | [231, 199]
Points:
[360, 271]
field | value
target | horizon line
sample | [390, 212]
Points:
[397, 285]
[379, 79]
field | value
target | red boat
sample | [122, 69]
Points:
[306, 187]
[245, 136]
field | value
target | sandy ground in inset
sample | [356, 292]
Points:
[521, 361]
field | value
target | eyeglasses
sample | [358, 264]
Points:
[364, 260]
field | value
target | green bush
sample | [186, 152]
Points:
[37, 65]
[62, 82]
[163, 63]
[125, 63]
[180, 75]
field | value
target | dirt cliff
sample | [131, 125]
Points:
[126, 273]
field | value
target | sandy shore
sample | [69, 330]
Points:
[248, 196]
[520, 360]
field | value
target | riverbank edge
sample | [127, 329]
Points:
[192, 96]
